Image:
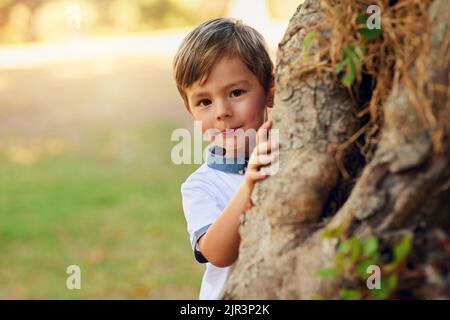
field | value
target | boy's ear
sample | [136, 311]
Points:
[270, 94]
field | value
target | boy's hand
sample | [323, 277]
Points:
[265, 153]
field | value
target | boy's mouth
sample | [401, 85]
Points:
[230, 131]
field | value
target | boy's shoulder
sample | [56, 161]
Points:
[201, 172]
[202, 176]
[211, 180]
[207, 178]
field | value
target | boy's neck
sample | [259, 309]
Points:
[239, 153]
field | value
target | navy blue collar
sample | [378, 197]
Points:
[217, 160]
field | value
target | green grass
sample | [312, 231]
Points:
[112, 206]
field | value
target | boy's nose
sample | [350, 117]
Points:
[223, 111]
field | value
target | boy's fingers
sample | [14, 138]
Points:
[263, 131]
[257, 176]
[266, 147]
[264, 159]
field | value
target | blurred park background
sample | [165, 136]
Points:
[87, 108]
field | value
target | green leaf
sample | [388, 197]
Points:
[402, 249]
[340, 263]
[350, 294]
[370, 246]
[353, 64]
[388, 286]
[356, 249]
[370, 34]
[344, 247]
[307, 41]
[361, 269]
[352, 61]
[392, 281]
[350, 52]
[327, 273]
[362, 18]
[382, 293]
[340, 66]
[350, 73]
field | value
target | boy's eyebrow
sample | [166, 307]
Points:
[235, 83]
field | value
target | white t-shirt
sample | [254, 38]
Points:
[205, 194]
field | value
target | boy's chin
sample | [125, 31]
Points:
[234, 146]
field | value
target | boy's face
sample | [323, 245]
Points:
[231, 98]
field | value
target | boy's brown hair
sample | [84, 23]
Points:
[214, 39]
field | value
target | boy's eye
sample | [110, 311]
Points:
[204, 102]
[237, 93]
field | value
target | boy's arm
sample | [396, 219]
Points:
[220, 244]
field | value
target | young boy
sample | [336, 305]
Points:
[225, 77]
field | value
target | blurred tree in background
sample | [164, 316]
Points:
[39, 20]
[32, 20]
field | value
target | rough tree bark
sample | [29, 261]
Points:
[406, 183]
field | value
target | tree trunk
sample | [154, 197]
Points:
[404, 186]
